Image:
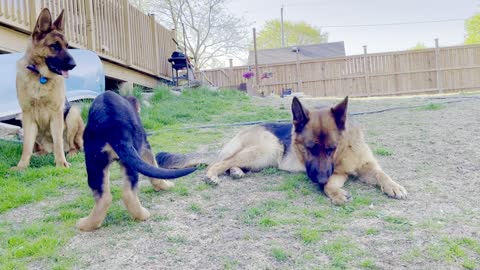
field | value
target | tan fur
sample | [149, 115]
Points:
[99, 212]
[130, 198]
[354, 157]
[256, 148]
[43, 104]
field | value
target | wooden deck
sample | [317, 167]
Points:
[133, 47]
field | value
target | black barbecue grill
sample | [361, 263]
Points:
[179, 61]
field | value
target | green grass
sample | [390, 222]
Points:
[195, 208]
[431, 107]
[268, 222]
[382, 151]
[258, 213]
[40, 240]
[368, 264]
[341, 252]
[456, 251]
[452, 252]
[397, 223]
[309, 236]
[296, 185]
[279, 254]
[271, 171]
[203, 106]
[181, 189]
[371, 231]
[177, 239]
[37, 183]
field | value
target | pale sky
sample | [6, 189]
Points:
[360, 12]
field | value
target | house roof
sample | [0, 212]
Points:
[281, 55]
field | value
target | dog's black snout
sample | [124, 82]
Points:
[318, 175]
[70, 64]
[322, 178]
[312, 174]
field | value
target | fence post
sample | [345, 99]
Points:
[437, 67]
[366, 69]
[155, 44]
[230, 72]
[297, 64]
[257, 80]
[127, 40]
[396, 70]
[90, 24]
[33, 13]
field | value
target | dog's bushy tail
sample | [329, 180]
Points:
[130, 156]
[178, 161]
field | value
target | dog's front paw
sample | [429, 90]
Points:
[159, 184]
[236, 173]
[20, 166]
[142, 215]
[394, 190]
[86, 225]
[62, 164]
[340, 197]
[211, 180]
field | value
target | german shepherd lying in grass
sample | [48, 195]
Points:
[47, 119]
[320, 142]
[114, 132]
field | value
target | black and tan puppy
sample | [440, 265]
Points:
[47, 123]
[114, 132]
[320, 142]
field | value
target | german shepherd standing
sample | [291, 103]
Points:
[321, 142]
[114, 132]
[41, 94]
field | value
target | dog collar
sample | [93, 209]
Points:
[33, 68]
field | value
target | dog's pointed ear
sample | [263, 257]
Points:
[43, 25]
[340, 113]
[300, 115]
[59, 23]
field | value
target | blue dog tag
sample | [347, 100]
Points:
[43, 80]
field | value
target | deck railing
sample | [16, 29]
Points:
[114, 29]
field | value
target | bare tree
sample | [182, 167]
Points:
[143, 5]
[211, 33]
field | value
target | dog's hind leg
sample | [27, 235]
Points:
[129, 195]
[236, 172]
[251, 157]
[333, 189]
[74, 130]
[158, 184]
[371, 173]
[30, 131]
[99, 182]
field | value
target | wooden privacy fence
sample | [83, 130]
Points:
[394, 73]
[114, 29]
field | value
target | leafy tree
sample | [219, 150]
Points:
[472, 27]
[300, 33]
[419, 46]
